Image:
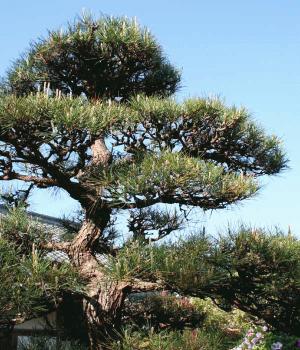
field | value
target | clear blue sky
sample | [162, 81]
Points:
[246, 51]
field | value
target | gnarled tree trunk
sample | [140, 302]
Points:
[103, 312]
[103, 298]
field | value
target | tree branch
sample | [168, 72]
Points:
[64, 246]
[39, 181]
[145, 286]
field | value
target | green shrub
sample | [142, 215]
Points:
[235, 322]
[253, 270]
[162, 312]
[213, 329]
[261, 276]
[22, 230]
[30, 283]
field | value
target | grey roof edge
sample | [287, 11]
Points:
[45, 219]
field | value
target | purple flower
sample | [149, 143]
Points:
[277, 346]
[254, 340]
[247, 342]
[297, 344]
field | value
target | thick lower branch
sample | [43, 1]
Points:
[144, 286]
[64, 246]
[39, 181]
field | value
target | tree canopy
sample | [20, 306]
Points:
[89, 110]
[200, 152]
[101, 58]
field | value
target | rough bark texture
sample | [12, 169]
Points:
[103, 311]
[103, 298]
[101, 155]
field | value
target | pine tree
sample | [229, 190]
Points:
[90, 110]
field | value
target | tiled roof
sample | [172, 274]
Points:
[54, 226]
[45, 219]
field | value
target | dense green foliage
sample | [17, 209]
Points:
[253, 270]
[203, 128]
[21, 230]
[88, 110]
[219, 330]
[101, 58]
[161, 137]
[30, 282]
[161, 312]
[262, 276]
[216, 330]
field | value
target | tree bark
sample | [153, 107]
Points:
[100, 153]
[103, 312]
[103, 298]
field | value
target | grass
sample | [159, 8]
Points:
[175, 340]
